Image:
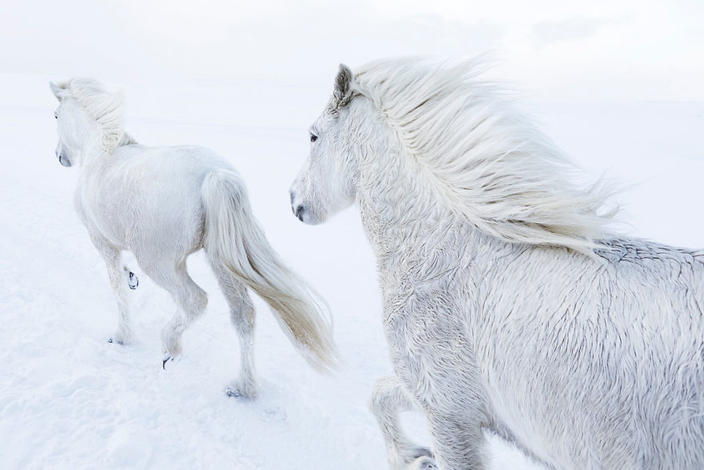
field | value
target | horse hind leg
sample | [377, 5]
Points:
[242, 315]
[189, 298]
[389, 398]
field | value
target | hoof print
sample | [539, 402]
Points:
[235, 392]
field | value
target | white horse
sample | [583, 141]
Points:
[507, 306]
[164, 203]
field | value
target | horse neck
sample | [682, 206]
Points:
[92, 160]
[403, 215]
[95, 157]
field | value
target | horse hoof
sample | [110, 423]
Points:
[167, 358]
[132, 280]
[241, 393]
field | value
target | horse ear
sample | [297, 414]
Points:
[59, 89]
[343, 83]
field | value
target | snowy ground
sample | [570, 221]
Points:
[70, 400]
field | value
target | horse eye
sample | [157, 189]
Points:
[313, 137]
[56, 116]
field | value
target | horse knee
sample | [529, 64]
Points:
[385, 396]
[458, 441]
[387, 400]
[376, 400]
[199, 302]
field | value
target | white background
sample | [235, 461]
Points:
[618, 84]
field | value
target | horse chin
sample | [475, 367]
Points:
[310, 218]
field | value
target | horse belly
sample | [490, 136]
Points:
[576, 425]
[513, 420]
[139, 218]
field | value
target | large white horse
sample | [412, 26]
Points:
[507, 306]
[164, 203]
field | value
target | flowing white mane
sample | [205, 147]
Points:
[488, 162]
[106, 108]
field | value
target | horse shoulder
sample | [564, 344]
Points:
[427, 338]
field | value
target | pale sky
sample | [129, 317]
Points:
[618, 49]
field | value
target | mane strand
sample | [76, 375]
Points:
[106, 108]
[489, 163]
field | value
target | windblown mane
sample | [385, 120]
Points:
[488, 162]
[106, 108]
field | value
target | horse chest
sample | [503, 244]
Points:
[427, 342]
[97, 209]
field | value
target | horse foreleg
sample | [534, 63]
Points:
[458, 440]
[389, 398]
[112, 258]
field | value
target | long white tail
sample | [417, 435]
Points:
[234, 238]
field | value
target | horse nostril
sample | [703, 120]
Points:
[299, 212]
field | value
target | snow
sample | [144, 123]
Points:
[68, 399]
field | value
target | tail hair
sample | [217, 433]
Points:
[233, 237]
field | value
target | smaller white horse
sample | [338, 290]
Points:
[164, 203]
